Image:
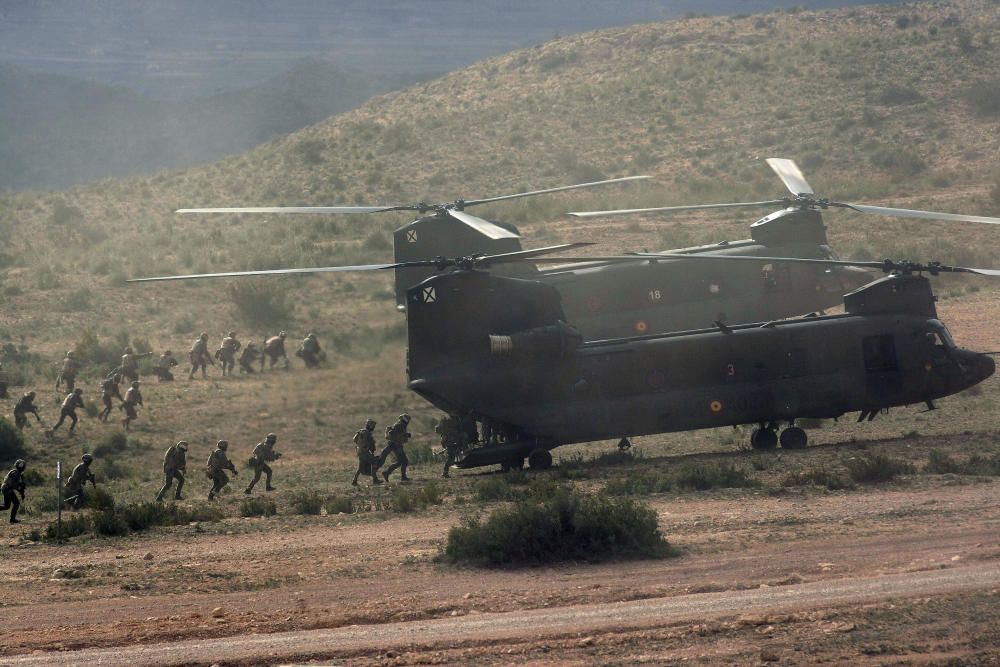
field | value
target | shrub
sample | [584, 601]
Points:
[939, 463]
[100, 499]
[109, 523]
[307, 502]
[420, 452]
[260, 301]
[704, 476]
[257, 507]
[493, 488]
[817, 477]
[72, 526]
[984, 98]
[875, 468]
[898, 161]
[404, 500]
[11, 443]
[569, 526]
[339, 505]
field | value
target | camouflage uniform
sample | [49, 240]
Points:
[199, 356]
[453, 439]
[13, 484]
[218, 464]
[262, 453]
[24, 406]
[163, 366]
[109, 390]
[396, 435]
[364, 440]
[227, 353]
[310, 352]
[78, 480]
[249, 355]
[174, 466]
[70, 368]
[274, 347]
[132, 399]
[72, 401]
[129, 368]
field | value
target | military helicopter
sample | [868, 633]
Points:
[498, 350]
[611, 300]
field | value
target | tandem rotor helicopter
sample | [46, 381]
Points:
[499, 350]
[616, 299]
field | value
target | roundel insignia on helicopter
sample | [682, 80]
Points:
[641, 326]
[715, 406]
[656, 379]
[593, 303]
[928, 366]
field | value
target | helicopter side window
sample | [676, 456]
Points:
[880, 354]
[938, 333]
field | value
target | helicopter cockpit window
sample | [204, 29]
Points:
[938, 333]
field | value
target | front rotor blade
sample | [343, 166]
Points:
[924, 215]
[694, 207]
[484, 227]
[524, 255]
[474, 202]
[790, 175]
[885, 265]
[293, 209]
[281, 272]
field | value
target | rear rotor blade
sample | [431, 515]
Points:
[790, 175]
[484, 227]
[281, 272]
[292, 209]
[696, 207]
[885, 265]
[530, 255]
[474, 202]
[924, 215]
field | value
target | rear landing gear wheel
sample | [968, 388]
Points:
[763, 438]
[540, 459]
[794, 437]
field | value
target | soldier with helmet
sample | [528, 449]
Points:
[70, 367]
[250, 355]
[130, 364]
[218, 464]
[199, 356]
[227, 353]
[174, 466]
[133, 398]
[262, 454]
[78, 480]
[163, 366]
[364, 440]
[309, 351]
[24, 406]
[453, 439]
[73, 400]
[13, 484]
[396, 437]
[274, 347]
[109, 391]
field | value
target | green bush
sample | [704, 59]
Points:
[875, 468]
[643, 483]
[72, 526]
[109, 523]
[984, 98]
[939, 463]
[817, 477]
[492, 489]
[703, 476]
[256, 506]
[11, 443]
[260, 301]
[404, 500]
[420, 452]
[307, 501]
[569, 526]
[339, 505]
[99, 499]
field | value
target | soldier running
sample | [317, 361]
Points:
[78, 480]
[13, 484]
[452, 439]
[130, 364]
[262, 453]
[274, 347]
[162, 368]
[364, 440]
[227, 353]
[250, 355]
[25, 405]
[218, 464]
[133, 398]
[67, 375]
[396, 435]
[72, 401]
[109, 390]
[174, 466]
[199, 356]
[310, 352]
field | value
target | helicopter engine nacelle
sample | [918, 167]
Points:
[790, 225]
[558, 340]
[893, 294]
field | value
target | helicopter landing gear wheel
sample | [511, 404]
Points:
[540, 459]
[624, 445]
[763, 438]
[794, 437]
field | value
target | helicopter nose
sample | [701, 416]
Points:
[985, 367]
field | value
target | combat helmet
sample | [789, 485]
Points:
[128, 350]
[203, 336]
[182, 445]
[231, 334]
[405, 418]
[222, 444]
[370, 424]
[135, 383]
[87, 458]
[271, 437]
[78, 391]
[20, 464]
[282, 334]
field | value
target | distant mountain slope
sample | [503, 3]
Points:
[57, 131]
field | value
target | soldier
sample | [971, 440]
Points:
[218, 464]
[132, 399]
[274, 347]
[109, 390]
[262, 453]
[452, 439]
[310, 351]
[199, 356]
[78, 480]
[70, 367]
[396, 436]
[174, 466]
[4, 381]
[13, 484]
[72, 401]
[24, 406]
[129, 368]
[227, 353]
[249, 355]
[163, 366]
[364, 440]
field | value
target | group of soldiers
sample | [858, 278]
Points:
[272, 350]
[369, 462]
[14, 484]
[175, 467]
